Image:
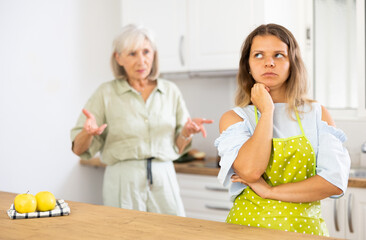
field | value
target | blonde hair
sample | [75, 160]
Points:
[130, 38]
[296, 84]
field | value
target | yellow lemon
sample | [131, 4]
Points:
[25, 203]
[46, 201]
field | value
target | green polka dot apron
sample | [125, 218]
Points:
[292, 160]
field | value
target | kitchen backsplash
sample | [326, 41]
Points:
[207, 97]
[356, 136]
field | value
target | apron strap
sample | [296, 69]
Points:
[298, 120]
[297, 117]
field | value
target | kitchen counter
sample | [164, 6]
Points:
[194, 167]
[87, 221]
[199, 167]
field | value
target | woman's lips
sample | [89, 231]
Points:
[269, 74]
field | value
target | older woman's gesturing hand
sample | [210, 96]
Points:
[90, 124]
[195, 125]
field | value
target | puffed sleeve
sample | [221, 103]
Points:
[228, 145]
[333, 160]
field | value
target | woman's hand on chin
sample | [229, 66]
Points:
[261, 98]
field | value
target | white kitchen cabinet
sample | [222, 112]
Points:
[203, 197]
[296, 16]
[167, 20]
[194, 34]
[217, 30]
[204, 35]
[346, 217]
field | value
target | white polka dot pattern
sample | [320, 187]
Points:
[292, 160]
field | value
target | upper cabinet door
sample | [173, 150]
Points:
[196, 35]
[217, 30]
[167, 19]
[296, 16]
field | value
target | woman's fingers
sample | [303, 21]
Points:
[236, 178]
[195, 125]
[101, 129]
[203, 130]
[208, 121]
[190, 126]
[88, 114]
[258, 90]
[261, 98]
[91, 126]
[194, 128]
[200, 122]
[87, 125]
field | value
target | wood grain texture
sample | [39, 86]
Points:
[87, 221]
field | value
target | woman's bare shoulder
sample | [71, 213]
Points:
[326, 117]
[229, 118]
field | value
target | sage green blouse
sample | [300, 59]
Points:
[135, 129]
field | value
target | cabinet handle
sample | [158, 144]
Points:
[217, 207]
[181, 57]
[217, 189]
[335, 215]
[350, 225]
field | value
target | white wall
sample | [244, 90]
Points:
[53, 55]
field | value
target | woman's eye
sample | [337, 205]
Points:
[279, 55]
[132, 54]
[258, 55]
[146, 51]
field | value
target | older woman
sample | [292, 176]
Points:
[139, 123]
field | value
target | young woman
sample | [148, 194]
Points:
[280, 149]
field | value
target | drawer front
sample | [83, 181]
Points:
[206, 209]
[206, 187]
[193, 181]
[203, 197]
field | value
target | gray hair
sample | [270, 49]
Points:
[130, 38]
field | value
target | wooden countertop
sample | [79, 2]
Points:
[198, 167]
[87, 221]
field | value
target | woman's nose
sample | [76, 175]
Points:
[140, 58]
[269, 62]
